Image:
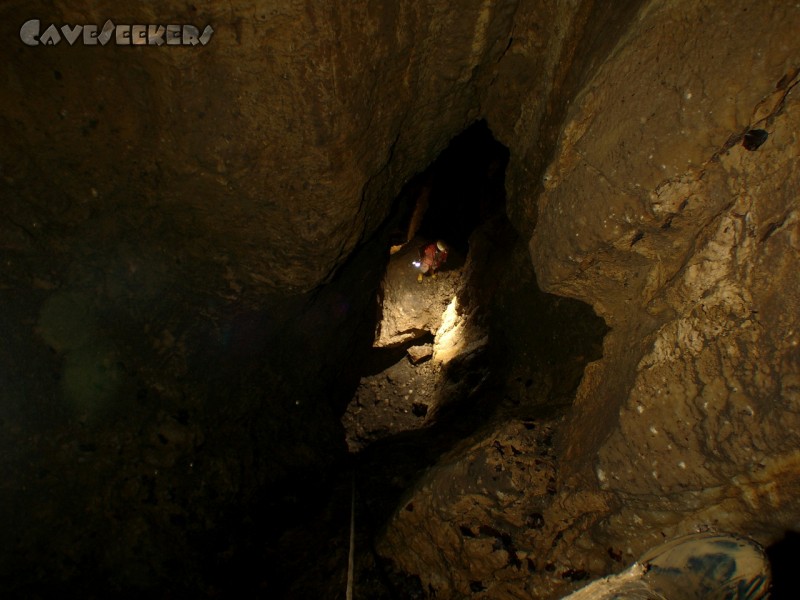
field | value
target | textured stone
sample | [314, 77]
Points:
[174, 233]
[684, 241]
[271, 144]
[191, 240]
[654, 211]
[412, 309]
[476, 497]
[416, 354]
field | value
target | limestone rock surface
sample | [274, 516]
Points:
[686, 244]
[656, 209]
[192, 241]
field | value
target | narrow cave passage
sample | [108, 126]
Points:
[419, 328]
[455, 354]
[466, 187]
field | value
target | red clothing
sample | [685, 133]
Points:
[431, 258]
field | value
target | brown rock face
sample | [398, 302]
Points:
[192, 243]
[686, 244]
[171, 356]
[667, 210]
[293, 129]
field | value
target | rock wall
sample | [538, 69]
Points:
[293, 129]
[686, 242]
[659, 208]
[191, 243]
[191, 240]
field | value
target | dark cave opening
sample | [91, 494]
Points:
[529, 369]
[460, 199]
[783, 557]
[466, 187]
[462, 190]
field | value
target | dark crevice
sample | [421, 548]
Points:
[784, 556]
[538, 343]
[269, 480]
[466, 187]
[538, 346]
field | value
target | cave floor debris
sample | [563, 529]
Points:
[397, 399]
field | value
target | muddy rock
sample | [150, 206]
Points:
[412, 307]
[502, 527]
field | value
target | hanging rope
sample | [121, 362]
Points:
[352, 555]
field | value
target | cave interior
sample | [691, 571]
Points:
[223, 373]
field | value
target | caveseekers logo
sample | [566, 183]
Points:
[123, 35]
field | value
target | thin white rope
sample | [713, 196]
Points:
[352, 556]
